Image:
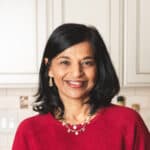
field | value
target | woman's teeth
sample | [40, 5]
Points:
[75, 83]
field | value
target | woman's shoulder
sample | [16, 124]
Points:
[124, 115]
[35, 121]
[121, 110]
[127, 120]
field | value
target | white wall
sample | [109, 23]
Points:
[11, 114]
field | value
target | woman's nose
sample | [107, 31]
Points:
[77, 70]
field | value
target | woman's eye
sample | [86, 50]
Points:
[88, 63]
[65, 62]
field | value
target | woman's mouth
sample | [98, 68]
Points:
[75, 84]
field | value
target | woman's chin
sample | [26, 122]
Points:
[76, 95]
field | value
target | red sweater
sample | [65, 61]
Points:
[114, 128]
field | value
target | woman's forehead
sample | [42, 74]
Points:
[83, 49]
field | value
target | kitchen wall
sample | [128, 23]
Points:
[14, 108]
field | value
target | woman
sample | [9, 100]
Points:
[77, 84]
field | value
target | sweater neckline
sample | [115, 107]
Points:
[92, 121]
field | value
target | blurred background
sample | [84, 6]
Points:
[25, 25]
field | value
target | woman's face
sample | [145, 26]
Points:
[74, 71]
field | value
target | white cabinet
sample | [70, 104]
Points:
[22, 35]
[137, 43]
[26, 24]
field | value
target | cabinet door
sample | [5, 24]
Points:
[103, 14]
[137, 43]
[22, 36]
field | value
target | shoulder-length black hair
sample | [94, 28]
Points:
[107, 84]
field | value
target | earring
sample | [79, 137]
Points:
[50, 82]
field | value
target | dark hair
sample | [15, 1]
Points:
[107, 84]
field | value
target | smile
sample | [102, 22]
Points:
[75, 84]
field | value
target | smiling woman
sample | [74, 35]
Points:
[77, 82]
[74, 72]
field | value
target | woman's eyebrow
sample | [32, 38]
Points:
[88, 57]
[64, 57]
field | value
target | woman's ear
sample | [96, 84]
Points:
[46, 60]
[50, 74]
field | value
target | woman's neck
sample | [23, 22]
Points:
[76, 111]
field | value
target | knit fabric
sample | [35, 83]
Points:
[113, 128]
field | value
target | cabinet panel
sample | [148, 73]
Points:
[18, 37]
[23, 35]
[143, 37]
[89, 12]
[137, 43]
